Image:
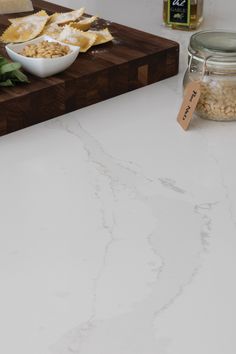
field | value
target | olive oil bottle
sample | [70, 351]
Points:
[183, 14]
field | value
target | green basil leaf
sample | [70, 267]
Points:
[6, 68]
[3, 61]
[10, 73]
[7, 83]
[20, 76]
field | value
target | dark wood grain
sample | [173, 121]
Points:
[134, 59]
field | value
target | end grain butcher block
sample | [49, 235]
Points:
[132, 60]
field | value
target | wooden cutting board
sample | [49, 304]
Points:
[134, 59]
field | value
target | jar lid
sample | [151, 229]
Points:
[217, 47]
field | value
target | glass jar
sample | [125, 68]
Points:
[212, 62]
[183, 14]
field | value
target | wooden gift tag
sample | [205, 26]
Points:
[191, 98]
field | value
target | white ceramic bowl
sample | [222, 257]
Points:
[42, 67]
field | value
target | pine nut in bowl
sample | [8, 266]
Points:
[43, 56]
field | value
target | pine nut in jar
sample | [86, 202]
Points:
[212, 62]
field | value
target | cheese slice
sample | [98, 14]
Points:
[103, 36]
[84, 24]
[76, 37]
[25, 28]
[14, 6]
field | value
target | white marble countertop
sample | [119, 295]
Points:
[118, 229]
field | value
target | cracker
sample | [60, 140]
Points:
[25, 28]
[72, 36]
[103, 36]
[66, 17]
[84, 24]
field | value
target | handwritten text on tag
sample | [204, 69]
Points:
[191, 98]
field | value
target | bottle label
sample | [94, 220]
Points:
[179, 12]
